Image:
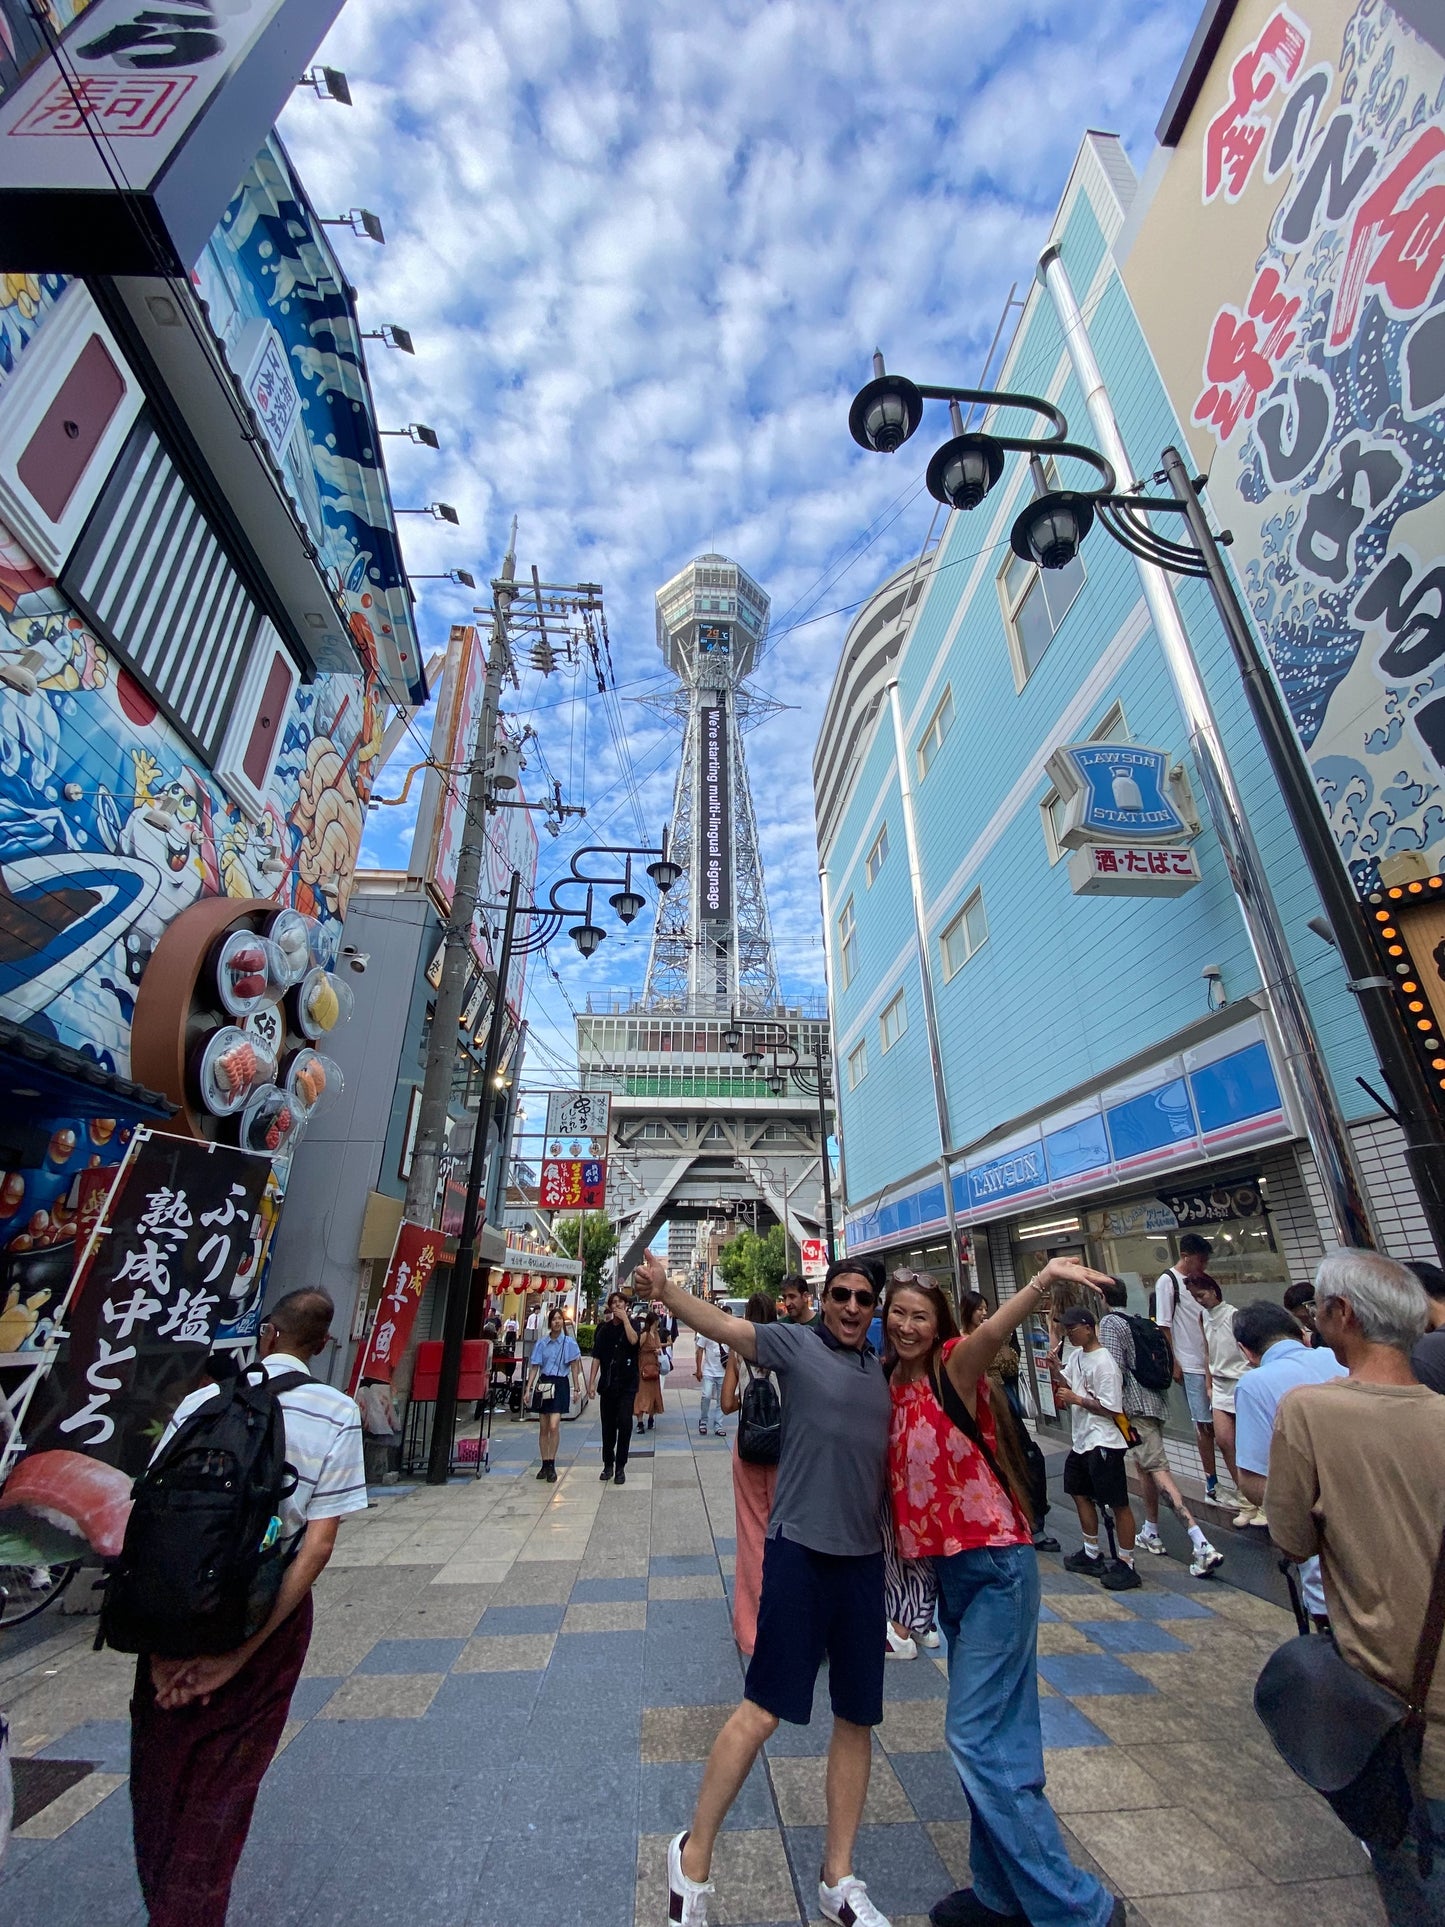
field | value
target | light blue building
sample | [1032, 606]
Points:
[1108, 1070]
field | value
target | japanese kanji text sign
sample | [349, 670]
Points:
[1289, 275]
[573, 1184]
[578, 1113]
[180, 95]
[815, 1259]
[178, 1229]
[413, 1260]
[1107, 870]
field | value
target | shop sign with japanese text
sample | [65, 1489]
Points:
[179, 1228]
[413, 1260]
[130, 145]
[1289, 274]
[814, 1253]
[1107, 870]
[578, 1113]
[573, 1184]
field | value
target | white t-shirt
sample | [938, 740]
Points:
[712, 1356]
[1227, 1363]
[1097, 1376]
[1177, 1312]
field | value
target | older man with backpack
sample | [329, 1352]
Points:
[1141, 1351]
[233, 1523]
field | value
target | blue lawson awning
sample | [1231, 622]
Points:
[1210, 1100]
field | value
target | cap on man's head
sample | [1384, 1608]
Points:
[1077, 1315]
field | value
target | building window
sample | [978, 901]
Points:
[936, 733]
[1035, 601]
[877, 856]
[857, 1065]
[847, 943]
[893, 1022]
[1113, 728]
[967, 933]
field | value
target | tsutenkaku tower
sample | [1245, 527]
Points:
[712, 948]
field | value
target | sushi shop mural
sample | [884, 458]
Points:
[1290, 274]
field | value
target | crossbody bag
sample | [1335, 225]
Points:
[1354, 1741]
[947, 1394]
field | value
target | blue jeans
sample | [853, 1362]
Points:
[711, 1395]
[1410, 1899]
[989, 1612]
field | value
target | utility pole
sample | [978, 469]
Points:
[436, 1090]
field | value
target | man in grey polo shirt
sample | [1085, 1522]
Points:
[822, 1592]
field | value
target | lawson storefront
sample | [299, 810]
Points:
[1196, 1138]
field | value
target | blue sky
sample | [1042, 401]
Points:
[646, 251]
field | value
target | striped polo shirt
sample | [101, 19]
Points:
[323, 1443]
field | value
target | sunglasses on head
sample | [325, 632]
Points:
[841, 1295]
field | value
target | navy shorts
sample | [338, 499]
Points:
[817, 1604]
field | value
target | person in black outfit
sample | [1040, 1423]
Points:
[614, 1369]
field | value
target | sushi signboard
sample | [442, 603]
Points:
[155, 1282]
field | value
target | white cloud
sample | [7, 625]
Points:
[646, 250]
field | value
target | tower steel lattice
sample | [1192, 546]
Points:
[712, 946]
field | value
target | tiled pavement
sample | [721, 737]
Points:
[512, 1688]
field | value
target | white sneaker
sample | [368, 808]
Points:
[899, 1648]
[1148, 1540]
[1205, 1560]
[931, 1640]
[848, 1903]
[686, 1899]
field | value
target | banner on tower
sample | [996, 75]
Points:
[717, 861]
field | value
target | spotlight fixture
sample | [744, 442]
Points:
[329, 84]
[417, 432]
[439, 511]
[1051, 528]
[365, 225]
[626, 901]
[587, 934]
[463, 576]
[393, 336]
[885, 412]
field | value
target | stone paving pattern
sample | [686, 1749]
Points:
[512, 1688]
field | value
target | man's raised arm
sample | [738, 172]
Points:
[736, 1333]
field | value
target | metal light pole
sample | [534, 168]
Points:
[436, 1089]
[1416, 1113]
[1049, 532]
[459, 1292]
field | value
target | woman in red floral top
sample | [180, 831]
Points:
[960, 1499]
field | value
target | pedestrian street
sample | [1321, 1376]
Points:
[512, 1688]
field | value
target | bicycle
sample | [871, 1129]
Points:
[26, 1591]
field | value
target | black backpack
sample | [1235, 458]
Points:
[201, 1566]
[760, 1421]
[1153, 1360]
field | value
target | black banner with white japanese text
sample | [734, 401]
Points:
[177, 1234]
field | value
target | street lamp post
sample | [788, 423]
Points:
[1049, 532]
[544, 923]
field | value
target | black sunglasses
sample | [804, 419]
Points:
[841, 1295]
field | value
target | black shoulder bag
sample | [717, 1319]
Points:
[1354, 1741]
[947, 1394]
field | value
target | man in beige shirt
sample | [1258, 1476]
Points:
[1357, 1476]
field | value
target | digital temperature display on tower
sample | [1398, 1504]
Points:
[717, 882]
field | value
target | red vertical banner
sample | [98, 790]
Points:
[413, 1260]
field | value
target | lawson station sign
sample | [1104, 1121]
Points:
[1122, 828]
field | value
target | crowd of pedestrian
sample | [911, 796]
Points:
[888, 1499]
